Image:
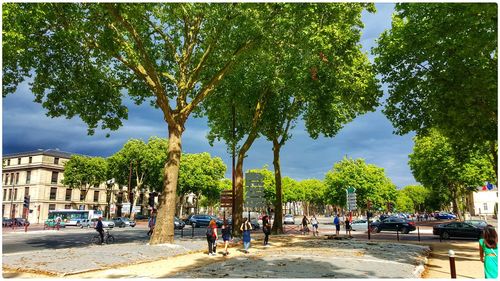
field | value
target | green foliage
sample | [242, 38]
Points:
[446, 172]
[201, 174]
[314, 191]
[440, 61]
[370, 182]
[417, 194]
[404, 202]
[83, 172]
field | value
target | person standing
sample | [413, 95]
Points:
[151, 223]
[336, 222]
[488, 252]
[99, 228]
[266, 228]
[314, 223]
[226, 236]
[212, 238]
[348, 226]
[245, 228]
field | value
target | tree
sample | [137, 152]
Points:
[370, 182]
[202, 175]
[85, 56]
[417, 194]
[312, 65]
[450, 175]
[82, 172]
[314, 194]
[440, 61]
[404, 202]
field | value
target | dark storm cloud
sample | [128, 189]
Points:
[25, 127]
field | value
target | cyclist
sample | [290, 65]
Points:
[99, 228]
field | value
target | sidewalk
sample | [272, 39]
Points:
[467, 261]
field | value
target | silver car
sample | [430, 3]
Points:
[289, 219]
[105, 223]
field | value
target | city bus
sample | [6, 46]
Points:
[74, 217]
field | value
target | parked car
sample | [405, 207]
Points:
[393, 224]
[479, 223]
[445, 216]
[289, 219]
[179, 224]
[457, 229]
[86, 223]
[105, 223]
[123, 222]
[140, 217]
[359, 225]
[254, 222]
[204, 220]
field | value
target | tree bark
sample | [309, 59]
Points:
[278, 206]
[164, 229]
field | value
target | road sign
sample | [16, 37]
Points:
[254, 197]
[226, 198]
[351, 199]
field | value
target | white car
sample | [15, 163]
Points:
[289, 219]
[105, 223]
[359, 225]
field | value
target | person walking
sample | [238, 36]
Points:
[336, 222]
[245, 228]
[226, 236]
[100, 228]
[488, 252]
[151, 224]
[212, 238]
[305, 222]
[314, 223]
[266, 228]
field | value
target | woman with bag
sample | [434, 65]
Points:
[245, 228]
[212, 238]
[226, 236]
[266, 228]
[488, 252]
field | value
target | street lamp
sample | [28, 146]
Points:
[12, 211]
[109, 193]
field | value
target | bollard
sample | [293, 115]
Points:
[26, 227]
[182, 232]
[397, 233]
[369, 230]
[192, 231]
[418, 231]
[453, 271]
[440, 237]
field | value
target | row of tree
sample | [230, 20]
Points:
[259, 67]
[138, 167]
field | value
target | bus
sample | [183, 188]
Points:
[74, 217]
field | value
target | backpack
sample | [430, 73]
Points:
[210, 231]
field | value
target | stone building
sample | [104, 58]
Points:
[39, 174]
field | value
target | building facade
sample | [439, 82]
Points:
[38, 175]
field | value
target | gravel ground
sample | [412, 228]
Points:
[70, 261]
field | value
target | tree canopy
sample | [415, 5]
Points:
[440, 61]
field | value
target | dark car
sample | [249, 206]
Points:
[179, 224]
[479, 223]
[139, 217]
[393, 224]
[445, 216]
[457, 229]
[254, 222]
[204, 220]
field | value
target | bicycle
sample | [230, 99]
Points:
[108, 238]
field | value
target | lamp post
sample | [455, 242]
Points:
[109, 193]
[12, 211]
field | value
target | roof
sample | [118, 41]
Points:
[50, 152]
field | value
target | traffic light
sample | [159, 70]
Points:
[26, 203]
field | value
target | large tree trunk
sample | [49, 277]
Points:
[134, 202]
[164, 229]
[278, 206]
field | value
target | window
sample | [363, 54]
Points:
[53, 193]
[8, 162]
[67, 207]
[56, 161]
[82, 195]
[15, 194]
[485, 206]
[52, 207]
[12, 178]
[54, 177]
[6, 177]
[3, 210]
[30, 160]
[10, 194]
[28, 177]
[96, 196]
[17, 178]
[68, 194]
[26, 191]
[18, 161]
[4, 194]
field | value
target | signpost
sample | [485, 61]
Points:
[254, 197]
[351, 199]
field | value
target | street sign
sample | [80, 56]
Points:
[226, 198]
[254, 197]
[351, 199]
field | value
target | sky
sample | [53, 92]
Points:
[370, 136]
